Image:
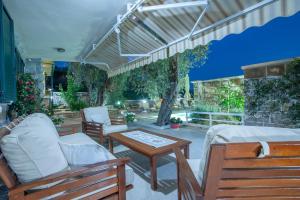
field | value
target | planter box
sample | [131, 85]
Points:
[175, 126]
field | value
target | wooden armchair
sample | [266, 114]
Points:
[97, 130]
[235, 171]
[105, 180]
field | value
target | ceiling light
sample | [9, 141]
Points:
[60, 50]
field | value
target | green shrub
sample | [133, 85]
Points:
[70, 95]
[130, 117]
[29, 100]
[205, 107]
[175, 120]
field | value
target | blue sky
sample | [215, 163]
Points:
[276, 40]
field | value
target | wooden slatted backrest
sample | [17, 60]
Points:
[82, 115]
[6, 174]
[235, 171]
[188, 186]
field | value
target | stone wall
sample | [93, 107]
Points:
[272, 94]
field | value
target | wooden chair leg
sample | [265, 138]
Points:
[121, 182]
[101, 138]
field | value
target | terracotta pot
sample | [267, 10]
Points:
[175, 126]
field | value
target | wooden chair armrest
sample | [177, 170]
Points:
[118, 121]
[187, 182]
[73, 183]
[92, 123]
[68, 129]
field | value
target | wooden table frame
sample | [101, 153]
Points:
[151, 152]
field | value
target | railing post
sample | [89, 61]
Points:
[186, 116]
[243, 120]
[210, 120]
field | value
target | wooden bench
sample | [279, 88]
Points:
[105, 180]
[235, 171]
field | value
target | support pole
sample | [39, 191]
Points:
[197, 22]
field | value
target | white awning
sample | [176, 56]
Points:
[151, 32]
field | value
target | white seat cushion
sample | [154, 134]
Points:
[236, 134]
[32, 150]
[97, 114]
[81, 143]
[114, 128]
[194, 164]
[80, 149]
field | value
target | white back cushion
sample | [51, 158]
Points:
[97, 114]
[237, 134]
[32, 150]
[80, 149]
[38, 119]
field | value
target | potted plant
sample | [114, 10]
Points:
[175, 122]
[130, 117]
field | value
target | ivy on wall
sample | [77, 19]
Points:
[268, 96]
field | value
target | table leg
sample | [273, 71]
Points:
[186, 150]
[153, 175]
[111, 145]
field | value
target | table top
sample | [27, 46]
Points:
[145, 148]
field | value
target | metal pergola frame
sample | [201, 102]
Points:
[95, 63]
[232, 17]
[172, 5]
[138, 6]
[118, 32]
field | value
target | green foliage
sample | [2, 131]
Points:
[175, 120]
[152, 80]
[90, 78]
[27, 95]
[203, 106]
[57, 120]
[130, 117]
[70, 96]
[116, 88]
[29, 100]
[279, 94]
[231, 97]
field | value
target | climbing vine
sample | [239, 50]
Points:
[278, 94]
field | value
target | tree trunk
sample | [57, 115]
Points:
[169, 98]
[90, 93]
[101, 91]
[100, 96]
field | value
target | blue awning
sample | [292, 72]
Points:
[279, 39]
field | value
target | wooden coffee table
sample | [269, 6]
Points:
[153, 153]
